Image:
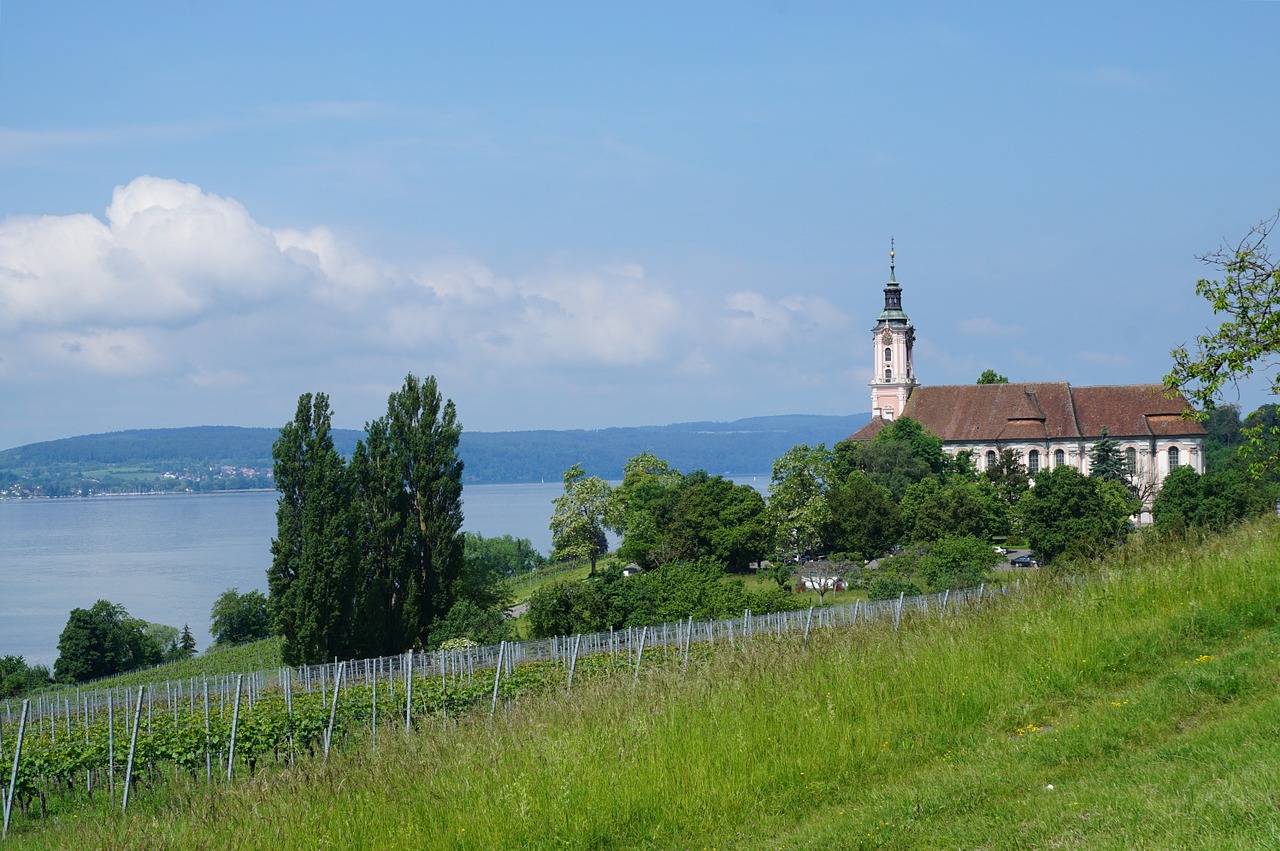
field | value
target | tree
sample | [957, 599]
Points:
[957, 561]
[990, 376]
[1248, 296]
[1067, 513]
[103, 640]
[1212, 501]
[955, 506]
[578, 517]
[311, 580]
[187, 643]
[1008, 476]
[16, 677]
[407, 513]
[924, 445]
[798, 510]
[893, 465]
[863, 520]
[1107, 462]
[237, 618]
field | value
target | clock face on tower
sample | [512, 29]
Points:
[886, 337]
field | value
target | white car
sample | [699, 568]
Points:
[1001, 551]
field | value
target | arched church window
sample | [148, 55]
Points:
[888, 354]
[1173, 458]
[1131, 459]
[1059, 457]
[1033, 462]
[991, 460]
[888, 374]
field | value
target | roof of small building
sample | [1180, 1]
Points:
[989, 413]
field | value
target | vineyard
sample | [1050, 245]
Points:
[68, 752]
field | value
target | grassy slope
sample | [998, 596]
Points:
[1147, 701]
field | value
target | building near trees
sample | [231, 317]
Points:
[1045, 424]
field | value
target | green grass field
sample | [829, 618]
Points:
[1135, 707]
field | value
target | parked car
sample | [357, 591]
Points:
[1028, 560]
[1000, 551]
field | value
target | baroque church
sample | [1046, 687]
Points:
[1044, 424]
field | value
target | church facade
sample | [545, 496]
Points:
[1045, 424]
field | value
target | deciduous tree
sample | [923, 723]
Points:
[579, 515]
[236, 618]
[1247, 296]
[311, 581]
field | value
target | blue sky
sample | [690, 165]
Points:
[580, 215]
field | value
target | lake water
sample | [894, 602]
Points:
[167, 558]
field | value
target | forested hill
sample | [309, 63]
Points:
[226, 457]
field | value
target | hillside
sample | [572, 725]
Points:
[230, 458]
[1130, 707]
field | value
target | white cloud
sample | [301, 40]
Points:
[185, 291]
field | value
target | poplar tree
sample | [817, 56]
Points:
[407, 489]
[311, 579]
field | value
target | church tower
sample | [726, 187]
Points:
[892, 340]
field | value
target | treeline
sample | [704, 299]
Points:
[897, 512]
[193, 459]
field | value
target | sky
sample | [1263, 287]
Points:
[581, 215]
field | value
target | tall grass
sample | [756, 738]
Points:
[1144, 695]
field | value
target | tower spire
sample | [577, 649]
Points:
[892, 279]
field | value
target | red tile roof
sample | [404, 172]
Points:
[1001, 412]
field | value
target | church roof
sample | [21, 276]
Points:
[991, 413]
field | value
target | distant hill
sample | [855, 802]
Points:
[226, 457]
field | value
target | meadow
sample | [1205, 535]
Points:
[1121, 704]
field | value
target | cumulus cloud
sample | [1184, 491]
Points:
[179, 282]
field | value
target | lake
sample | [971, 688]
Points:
[166, 558]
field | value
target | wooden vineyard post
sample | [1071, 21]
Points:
[235, 722]
[133, 747]
[13, 776]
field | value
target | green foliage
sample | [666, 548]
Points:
[863, 518]
[1249, 337]
[103, 640]
[937, 508]
[467, 620]
[16, 677]
[892, 465]
[688, 518]
[236, 618]
[578, 517]
[890, 586]
[957, 562]
[1212, 501]
[1008, 476]
[798, 511]
[925, 446]
[1107, 461]
[990, 376]
[311, 583]
[1070, 514]
[672, 592]
[186, 644]
[368, 556]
